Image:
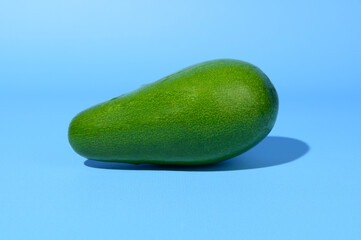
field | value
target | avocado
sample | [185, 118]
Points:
[203, 114]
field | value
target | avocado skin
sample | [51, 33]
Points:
[203, 114]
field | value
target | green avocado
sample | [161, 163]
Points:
[203, 114]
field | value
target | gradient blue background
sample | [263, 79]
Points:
[60, 57]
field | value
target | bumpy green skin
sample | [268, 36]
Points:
[202, 114]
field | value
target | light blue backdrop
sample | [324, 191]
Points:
[60, 57]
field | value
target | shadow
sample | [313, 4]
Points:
[272, 151]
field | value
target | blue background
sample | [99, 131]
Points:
[60, 57]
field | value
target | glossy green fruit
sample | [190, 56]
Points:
[202, 114]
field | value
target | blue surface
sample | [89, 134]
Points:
[60, 57]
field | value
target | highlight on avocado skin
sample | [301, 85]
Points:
[206, 113]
